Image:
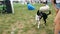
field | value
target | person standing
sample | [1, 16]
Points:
[56, 5]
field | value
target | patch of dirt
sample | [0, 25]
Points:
[18, 25]
[4, 32]
[32, 30]
[43, 32]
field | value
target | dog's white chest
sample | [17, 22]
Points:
[37, 17]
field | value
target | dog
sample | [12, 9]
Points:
[40, 15]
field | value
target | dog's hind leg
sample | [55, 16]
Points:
[44, 21]
[44, 18]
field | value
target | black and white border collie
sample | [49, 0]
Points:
[40, 14]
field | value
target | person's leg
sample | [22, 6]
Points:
[57, 29]
[57, 23]
[57, 10]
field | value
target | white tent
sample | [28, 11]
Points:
[23, 2]
[11, 1]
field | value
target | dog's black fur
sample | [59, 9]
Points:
[43, 15]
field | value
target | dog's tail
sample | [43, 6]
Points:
[49, 12]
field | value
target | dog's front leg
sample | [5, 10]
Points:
[37, 20]
[38, 23]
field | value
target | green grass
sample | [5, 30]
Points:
[24, 19]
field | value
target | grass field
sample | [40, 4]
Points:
[23, 20]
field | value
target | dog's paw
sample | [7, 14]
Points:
[38, 27]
